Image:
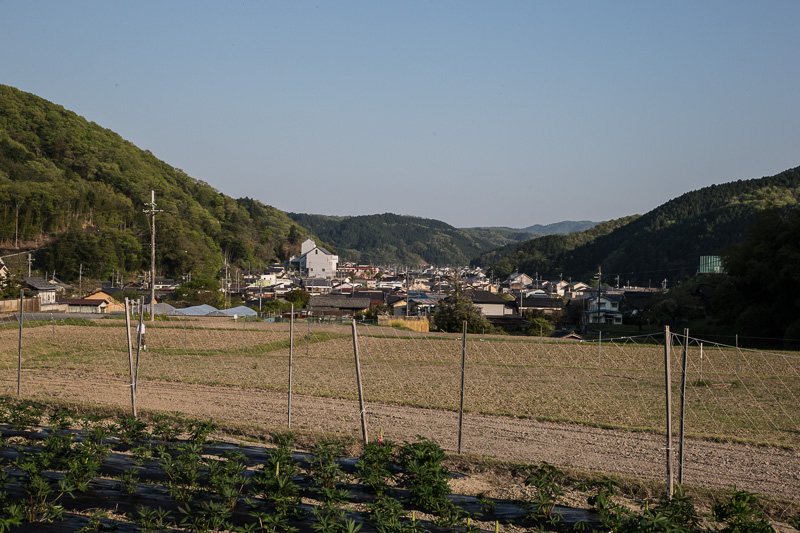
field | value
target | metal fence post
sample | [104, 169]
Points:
[291, 357]
[668, 382]
[463, 375]
[19, 344]
[683, 405]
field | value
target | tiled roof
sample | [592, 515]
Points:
[82, 301]
[40, 284]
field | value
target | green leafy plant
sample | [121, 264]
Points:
[546, 480]
[425, 476]
[739, 513]
[183, 468]
[226, 478]
[25, 414]
[150, 519]
[374, 466]
[274, 481]
[130, 429]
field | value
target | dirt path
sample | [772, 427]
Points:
[770, 471]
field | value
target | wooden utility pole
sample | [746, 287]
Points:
[151, 212]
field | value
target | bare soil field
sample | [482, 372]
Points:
[771, 471]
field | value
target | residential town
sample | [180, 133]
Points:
[339, 291]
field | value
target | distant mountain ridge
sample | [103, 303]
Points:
[665, 243]
[389, 238]
[386, 239]
[562, 228]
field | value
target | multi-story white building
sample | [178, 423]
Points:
[315, 261]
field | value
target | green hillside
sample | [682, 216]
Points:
[398, 239]
[666, 243]
[74, 192]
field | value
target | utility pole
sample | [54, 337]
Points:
[30, 260]
[226, 286]
[408, 289]
[80, 281]
[599, 285]
[151, 212]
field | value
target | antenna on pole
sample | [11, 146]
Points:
[151, 212]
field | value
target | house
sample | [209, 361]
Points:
[315, 261]
[317, 285]
[42, 289]
[557, 287]
[490, 304]
[165, 284]
[577, 290]
[605, 312]
[549, 306]
[336, 305]
[4, 272]
[84, 305]
[517, 282]
[112, 305]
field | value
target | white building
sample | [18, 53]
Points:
[315, 261]
[606, 312]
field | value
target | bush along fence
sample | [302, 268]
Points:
[671, 408]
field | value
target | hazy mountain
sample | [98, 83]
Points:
[567, 226]
[400, 239]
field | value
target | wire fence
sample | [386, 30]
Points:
[599, 406]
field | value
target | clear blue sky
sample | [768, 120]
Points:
[505, 113]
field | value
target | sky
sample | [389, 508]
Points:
[493, 113]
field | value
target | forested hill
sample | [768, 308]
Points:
[665, 243]
[75, 192]
[405, 240]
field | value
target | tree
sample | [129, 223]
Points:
[203, 291]
[540, 326]
[763, 268]
[298, 297]
[459, 308]
[540, 323]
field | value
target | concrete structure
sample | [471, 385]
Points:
[315, 261]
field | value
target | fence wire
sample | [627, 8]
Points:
[593, 405]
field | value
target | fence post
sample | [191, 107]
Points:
[463, 375]
[140, 340]
[291, 357]
[599, 343]
[683, 404]
[244, 326]
[701, 361]
[360, 388]
[668, 382]
[19, 343]
[53, 324]
[130, 353]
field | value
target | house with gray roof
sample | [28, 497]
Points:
[315, 261]
[42, 289]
